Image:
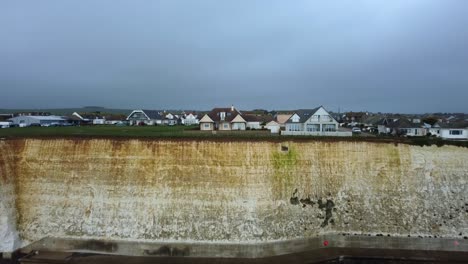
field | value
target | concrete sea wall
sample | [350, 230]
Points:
[207, 191]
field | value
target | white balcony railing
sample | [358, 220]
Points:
[307, 133]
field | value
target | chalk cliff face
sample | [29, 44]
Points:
[227, 191]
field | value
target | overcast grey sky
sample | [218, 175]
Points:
[389, 56]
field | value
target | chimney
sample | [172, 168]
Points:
[232, 107]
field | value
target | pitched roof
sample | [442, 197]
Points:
[153, 114]
[282, 118]
[230, 114]
[462, 124]
[405, 123]
[304, 114]
[398, 123]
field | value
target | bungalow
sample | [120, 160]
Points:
[223, 119]
[28, 120]
[406, 127]
[313, 122]
[148, 117]
[453, 131]
[253, 121]
[401, 127]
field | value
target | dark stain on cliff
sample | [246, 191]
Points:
[328, 207]
[294, 199]
[168, 251]
[306, 201]
[98, 245]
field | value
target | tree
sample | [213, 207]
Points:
[431, 120]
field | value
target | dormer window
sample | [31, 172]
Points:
[222, 115]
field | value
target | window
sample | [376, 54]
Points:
[225, 125]
[294, 127]
[456, 132]
[207, 125]
[329, 128]
[313, 128]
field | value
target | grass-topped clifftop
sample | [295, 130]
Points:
[192, 132]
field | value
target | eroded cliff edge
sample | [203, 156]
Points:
[228, 191]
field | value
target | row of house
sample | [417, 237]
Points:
[46, 119]
[411, 127]
[155, 117]
[317, 121]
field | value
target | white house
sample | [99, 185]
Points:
[223, 119]
[5, 124]
[190, 119]
[148, 117]
[170, 119]
[313, 122]
[27, 120]
[453, 131]
[273, 126]
[95, 120]
[252, 122]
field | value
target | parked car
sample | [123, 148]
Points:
[356, 130]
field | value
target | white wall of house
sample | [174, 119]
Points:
[238, 126]
[4, 124]
[112, 122]
[190, 119]
[383, 129]
[206, 126]
[454, 133]
[273, 126]
[320, 121]
[414, 132]
[224, 126]
[99, 121]
[254, 125]
[435, 131]
[24, 121]
[206, 123]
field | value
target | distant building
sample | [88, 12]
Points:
[401, 126]
[147, 117]
[281, 119]
[223, 119]
[170, 119]
[29, 120]
[313, 122]
[189, 119]
[273, 126]
[451, 131]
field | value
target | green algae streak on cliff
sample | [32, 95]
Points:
[207, 191]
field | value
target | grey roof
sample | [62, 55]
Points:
[153, 114]
[453, 125]
[402, 122]
[304, 114]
